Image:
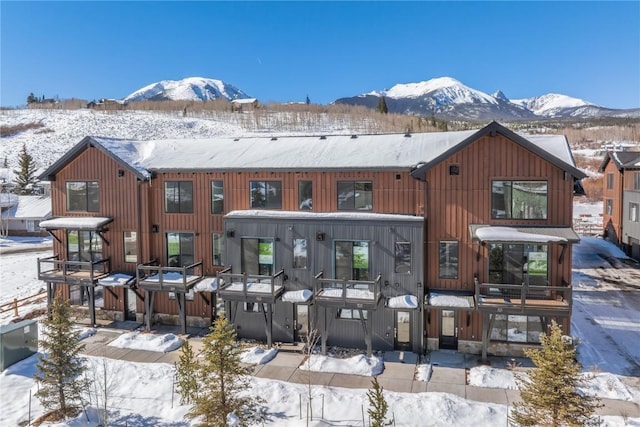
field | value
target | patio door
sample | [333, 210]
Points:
[448, 330]
[402, 339]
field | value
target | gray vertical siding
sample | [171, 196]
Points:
[630, 229]
[381, 235]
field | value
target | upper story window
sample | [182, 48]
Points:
[609, 181]
[507, 264]
[448, 264]
[83, 196]
[178, 197]
[519, 199]
[636, 180]
[403, 257]
[257, 256]
[299, 253]
[609, 206]
[633, 212]
[305, 195]
[265, 194]
[352, 260]
[180, 249]
[217, 197]
[355, 195]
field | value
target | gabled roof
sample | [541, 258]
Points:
[29, 208]
[622, 160]
[411, 152]
[553, 148]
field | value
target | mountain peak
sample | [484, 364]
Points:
[551, 103]
[187, 89]
[500, 95]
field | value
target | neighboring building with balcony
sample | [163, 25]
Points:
[420, 241]
[621, 202]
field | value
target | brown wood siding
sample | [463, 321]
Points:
[454, 202]
[613, 223]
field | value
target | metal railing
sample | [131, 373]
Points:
[66, 268]
[276, 281]
[321, 283]
[154, 274]
[525, 293]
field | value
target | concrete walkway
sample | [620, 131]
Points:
[449, 371]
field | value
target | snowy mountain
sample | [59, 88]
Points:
[448, 98]
[189, 89]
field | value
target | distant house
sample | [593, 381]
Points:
[244, 104]
[621, 194]
[21, 215]
[107, 104]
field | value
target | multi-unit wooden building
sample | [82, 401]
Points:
[621, 204]
[420, 241]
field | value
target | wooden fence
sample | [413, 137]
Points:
[22, 302]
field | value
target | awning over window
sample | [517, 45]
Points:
[89, 223]
[523, 234]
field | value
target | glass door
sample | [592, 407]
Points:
[448, 330]
[403, 331]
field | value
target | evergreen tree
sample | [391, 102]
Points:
[187, 375]
[382, 106]
[308, 101]
[222, 380]
[31, 98]
[378, 406]
[5, 163]
[551, 398]
[25, 177]
[60, 369]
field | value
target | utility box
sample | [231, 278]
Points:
[17, 342]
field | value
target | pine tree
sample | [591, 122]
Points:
[31, 98]
[187, 375]
[378, 406]
[307, 101]
[550, 397]
[5, 163]
[382, 106]
[222, 380]
[25, 177]
[60, 369]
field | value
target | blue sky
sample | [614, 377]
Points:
[283, 51]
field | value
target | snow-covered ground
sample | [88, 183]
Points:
[605, 320]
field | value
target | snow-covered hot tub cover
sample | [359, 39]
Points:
[302, 295]
[207, 284]
[403, 301]
[116, 279]
[450, 300]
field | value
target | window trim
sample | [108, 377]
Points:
[180, 210]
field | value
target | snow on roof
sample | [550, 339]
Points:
[28, 207]
[302, 295]
[556, 145]
[510, 234]
[255, 213]
[76, 223]
[449, 300]
[404, 301]
[117, 279]
[244, 101]
[127, 151]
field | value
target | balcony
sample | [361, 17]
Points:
[250, 287]
[523, 299]
[152, 277]
[83, 273]
[341, 293]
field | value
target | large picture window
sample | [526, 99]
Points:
[83, 196]
[85, 246]
[355, 195]
[519, 199]
[305, 195]
[352, 260]
[217, 197]
[180, 249]
[448, 265]
[266, 194]
[507, 261]
[178, 197]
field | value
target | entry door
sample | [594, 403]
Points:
[130, 309]
[302, 322]
[403, 331]
[448, 330]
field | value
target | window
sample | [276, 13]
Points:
[253, 307]
[178, 197]
[636, 180]
[352, 260]
[217, 197]
[218, 249]
[519, 199]
[633, 212]
[305, 195]
[180, 249]
[403, 257]
[83, 196]
[517, 328]
[84, 246]
[266, 194]
[609, 181]
[257, 256]
[355, 195]
[130, 247]
[609, 206]
[299, 253]
[448, 260]
[506, 262]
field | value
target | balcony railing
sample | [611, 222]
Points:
[250, 287]
[523, 298]
[152, 277]
[55, 270]
[347, 293]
